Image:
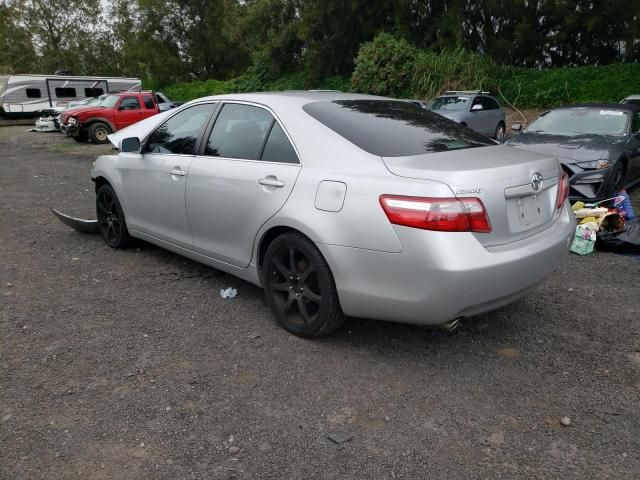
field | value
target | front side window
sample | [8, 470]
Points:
[581, 121]
[635, 126]
[278, 147]
[65, 92]
[390, 128]
[33, 93]
[489, 103]
[239, 132]
[130, 103]
[180, 133]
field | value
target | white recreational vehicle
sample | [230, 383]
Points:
[25, 95]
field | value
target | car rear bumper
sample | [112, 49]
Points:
[440, 276]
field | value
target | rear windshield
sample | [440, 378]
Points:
[391, 128]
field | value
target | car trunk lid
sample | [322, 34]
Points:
[499, 176]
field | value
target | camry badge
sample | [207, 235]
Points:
[536, 181]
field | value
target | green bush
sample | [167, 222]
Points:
[385, 66]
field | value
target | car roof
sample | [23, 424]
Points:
[295, 96]
[632, 97]
[608, 106]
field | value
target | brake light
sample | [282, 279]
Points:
[563, 190]
[442, 214]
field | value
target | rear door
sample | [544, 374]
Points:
[128, 111]
[243, 176]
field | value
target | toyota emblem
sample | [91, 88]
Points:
[536, 181]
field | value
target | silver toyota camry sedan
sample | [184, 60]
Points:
[339, 204]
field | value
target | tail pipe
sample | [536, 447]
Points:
[451, 325]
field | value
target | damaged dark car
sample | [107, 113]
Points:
[598, 145]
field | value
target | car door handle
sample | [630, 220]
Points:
[177, 171]
[271, 181]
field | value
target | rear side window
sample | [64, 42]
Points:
[33, 93]
[391, 128]
[159, 99]
[278, 147]
[148, 102]
[65, 92]
[239, 132]
[93, 92]
[180, 133]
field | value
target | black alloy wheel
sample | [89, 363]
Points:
[111, 218]
[300, 288]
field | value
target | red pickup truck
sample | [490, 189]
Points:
[113, 113]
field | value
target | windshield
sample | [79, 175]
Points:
[456, 103]
[631, 101]
[581, 121]
[394, 128]
[109, 101]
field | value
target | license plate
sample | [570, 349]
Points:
[530, 211]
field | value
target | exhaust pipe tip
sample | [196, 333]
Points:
[451, 325]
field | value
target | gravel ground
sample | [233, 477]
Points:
[129, 364]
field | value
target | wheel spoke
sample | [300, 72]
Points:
[303, 311]
[292, 261]
[306, 272]
[280, 267]
[291, 299]
[311, 295]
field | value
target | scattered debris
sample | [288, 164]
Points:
[228, 292]
[566, 421]
[253, 336]
[339, 438]
[234, 450]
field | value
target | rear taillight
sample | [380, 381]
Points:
[442, 214]
[563, 190]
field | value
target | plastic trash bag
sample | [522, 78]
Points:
[625, 240]
[229, 292]
[583, 241]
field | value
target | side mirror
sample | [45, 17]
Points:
[516, 127]
[131, 144]
[477, 107]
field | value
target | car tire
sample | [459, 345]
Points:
[98, 132]
[111, 221]
[80, 137]
[299, 287]
[500, 130]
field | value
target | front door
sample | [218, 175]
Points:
[244, 175]
[154, 181]
[128, 111]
